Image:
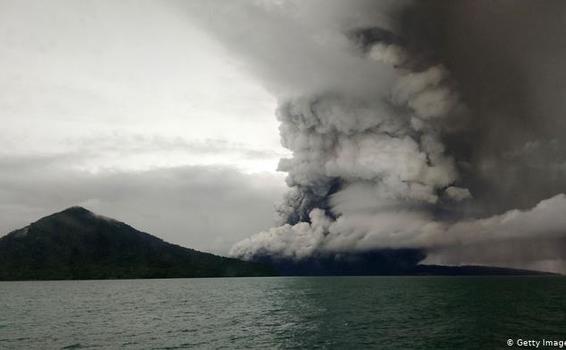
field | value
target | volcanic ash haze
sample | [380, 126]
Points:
[433, 125]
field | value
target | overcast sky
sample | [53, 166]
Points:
[127, 109]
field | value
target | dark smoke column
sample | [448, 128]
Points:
[369, 169]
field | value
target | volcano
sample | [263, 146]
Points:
[78, 244]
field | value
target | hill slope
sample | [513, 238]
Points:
[78, 244]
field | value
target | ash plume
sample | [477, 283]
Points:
[411, 125]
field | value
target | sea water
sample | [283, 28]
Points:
[284, 312]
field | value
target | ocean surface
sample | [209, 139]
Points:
[283, 312]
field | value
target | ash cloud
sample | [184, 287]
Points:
[433, 125]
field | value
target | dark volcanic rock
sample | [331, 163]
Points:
[78, 244]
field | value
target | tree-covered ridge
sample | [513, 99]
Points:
[78, 244]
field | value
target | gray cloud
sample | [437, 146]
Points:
[296, 47]
[128, 144]
[206, 208]
[507, 57]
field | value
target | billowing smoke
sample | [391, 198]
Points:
[431, 125]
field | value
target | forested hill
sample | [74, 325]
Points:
[78, 244]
